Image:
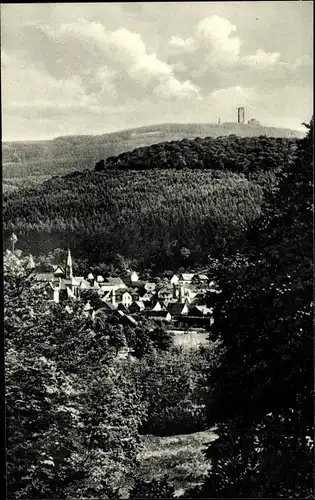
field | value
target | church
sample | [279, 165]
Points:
[61, 284]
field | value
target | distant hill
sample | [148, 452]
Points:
[94, 147]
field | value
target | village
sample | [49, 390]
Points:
[177, 302]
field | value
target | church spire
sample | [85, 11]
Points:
[69, 274]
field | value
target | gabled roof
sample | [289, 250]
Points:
[107, 296]
[188, 286]
[45, 277]
[85, 284]
[109, 305]
[116, 282]
[203, 276]
[187, 276]
[58, 269]
[158, 314]
[122, 292]
[139, 303]
[121, 307]
[205, 310]
[176, 308]
[95, 286]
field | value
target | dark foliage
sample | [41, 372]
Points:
[261, 393]
[233, 153]
[152, 489]
[152, 215]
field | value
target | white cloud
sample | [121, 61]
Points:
[86, 63]
[261, 59]
[171, 88]
[213, 34]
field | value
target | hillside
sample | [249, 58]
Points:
[167, 216]
[31, 162]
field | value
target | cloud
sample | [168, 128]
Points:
[108, 63]
[213, 58]
[261, 59]
[91, 61]
[173, 89]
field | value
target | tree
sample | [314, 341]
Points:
[100, 165]
[151, 489]
[261, 392]
[72, 415]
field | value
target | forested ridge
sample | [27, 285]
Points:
[199, 195]
[237, 154]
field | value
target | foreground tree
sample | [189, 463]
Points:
[72, 416]
[261, 393]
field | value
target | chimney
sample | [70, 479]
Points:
[240, 115]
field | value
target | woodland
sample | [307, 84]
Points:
[148, 205]
[76, 414]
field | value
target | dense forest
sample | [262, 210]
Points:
[237, 154]
[170, 205]
[75, 413]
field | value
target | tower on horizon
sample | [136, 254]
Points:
[240, 115]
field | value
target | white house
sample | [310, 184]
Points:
[134, 276]
[124, 297]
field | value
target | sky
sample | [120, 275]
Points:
[92, 68]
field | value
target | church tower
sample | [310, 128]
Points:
[69, 274]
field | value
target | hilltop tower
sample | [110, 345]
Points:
[68, 268]
[240, 115]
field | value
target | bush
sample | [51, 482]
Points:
[183, 418]
[152, 489]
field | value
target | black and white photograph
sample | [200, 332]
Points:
[157, 222]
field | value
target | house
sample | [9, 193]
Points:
[58, 271]
[116, 283]
[154, 306]
[186, 278]
[185, 292]
[136, 307]
[150, 286]
[203, 278]
[145, 296]
[122, 307]
[159, 316]
[164, 293]
[207, 311]
[133, 276]
[124, 297]
[178, 309]
[174, 279]
[200, 310]
[84, 285]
